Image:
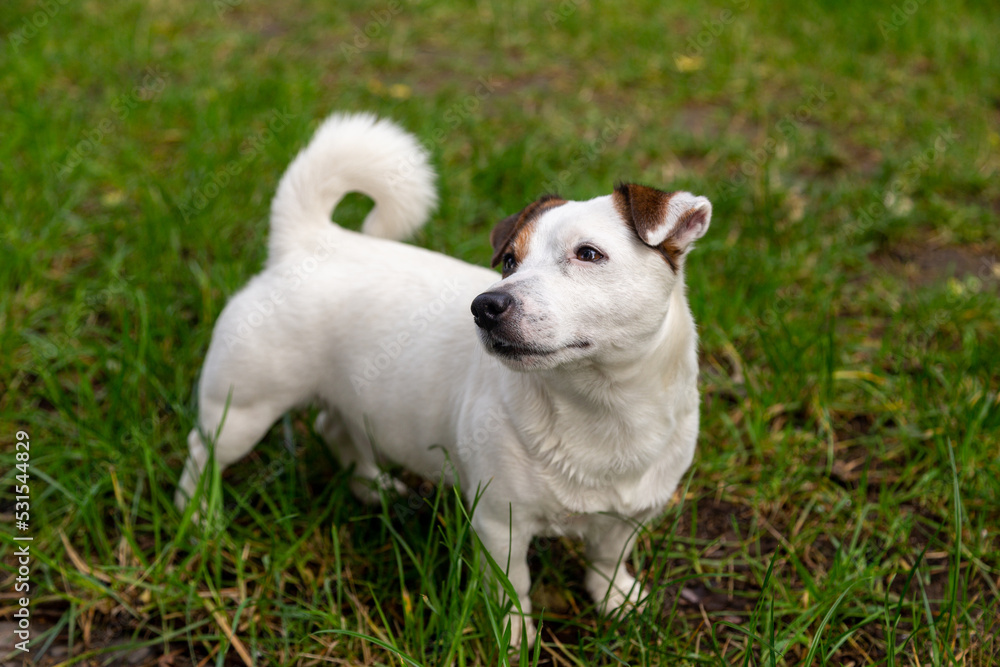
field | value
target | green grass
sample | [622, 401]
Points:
[843, 505]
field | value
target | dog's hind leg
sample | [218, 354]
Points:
[233, 429]
[352, 446]
[331, 427]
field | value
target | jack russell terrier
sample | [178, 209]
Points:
[568, 400]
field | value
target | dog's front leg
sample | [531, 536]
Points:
[507, 540]
[609, 545]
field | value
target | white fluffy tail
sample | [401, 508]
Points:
[352, 153]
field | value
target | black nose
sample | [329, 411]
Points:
[489, 309]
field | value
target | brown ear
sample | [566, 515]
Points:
[501, 236]
[667, 221]
[507, 230]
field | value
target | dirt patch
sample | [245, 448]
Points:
[104, 642]
[924, 265]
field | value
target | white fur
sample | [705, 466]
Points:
[679, 204]
[348, 153]
[588, 440]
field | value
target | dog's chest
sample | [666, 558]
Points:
[576, 514]
[566, 523]
[621, 496]
[618, 468]
[630, 476]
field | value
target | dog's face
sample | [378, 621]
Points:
[588, 279]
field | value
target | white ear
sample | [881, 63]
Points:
[674, 218]
[686, 221]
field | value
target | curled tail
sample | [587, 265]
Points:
[352, 153]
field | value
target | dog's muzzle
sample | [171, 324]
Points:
[490, 309]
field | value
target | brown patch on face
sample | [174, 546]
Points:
[511, 233]
[644, 209]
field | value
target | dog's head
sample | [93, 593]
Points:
[587, 279]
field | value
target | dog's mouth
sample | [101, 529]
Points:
[507, 349]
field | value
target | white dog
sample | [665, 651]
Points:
[580, 418]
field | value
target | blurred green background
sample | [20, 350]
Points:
[842, 508]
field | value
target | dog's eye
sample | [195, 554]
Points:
[588, 254]
[509, 263]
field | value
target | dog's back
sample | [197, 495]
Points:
[375, 299]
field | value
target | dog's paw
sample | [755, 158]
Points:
[519, 633]
[624, 595]
[369, 491]
[204, 518]
[618, 602]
